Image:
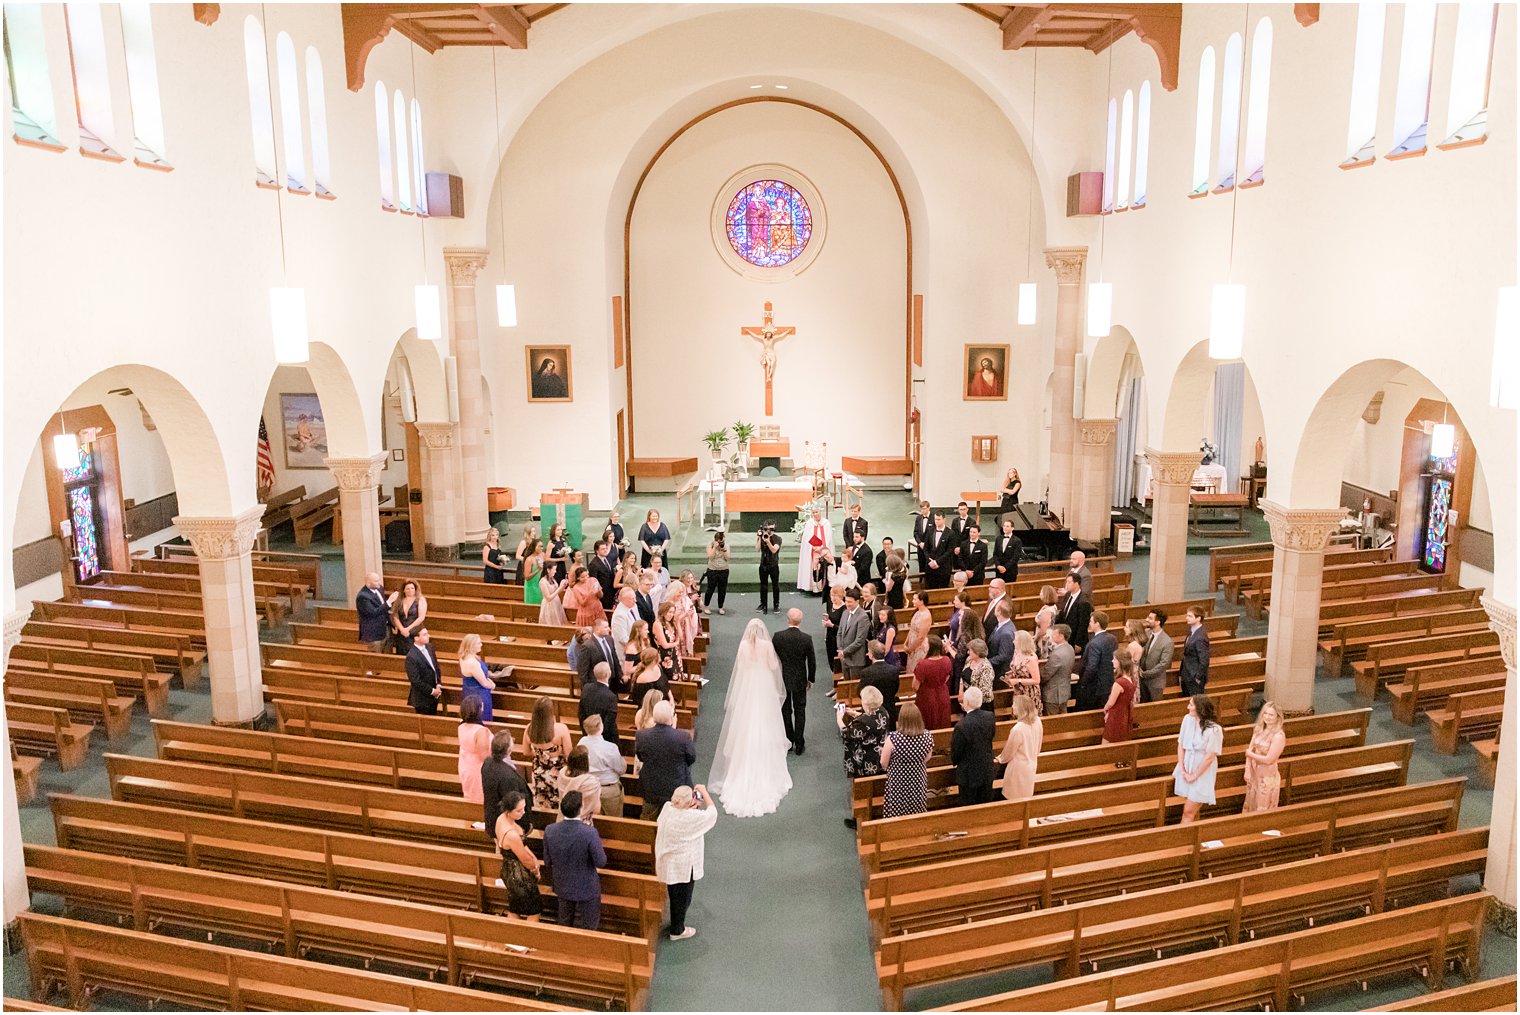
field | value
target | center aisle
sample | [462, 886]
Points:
[780, 918]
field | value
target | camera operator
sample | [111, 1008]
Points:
[769, 545]
[716, 578]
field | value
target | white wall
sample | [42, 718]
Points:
[841, 377]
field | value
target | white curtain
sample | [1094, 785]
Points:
[1229, 412]
[1126, 435]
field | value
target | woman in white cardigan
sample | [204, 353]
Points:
[679, 842]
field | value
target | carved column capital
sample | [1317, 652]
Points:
[1067, 262]
[356, 473]
[1501, 617]
[1173, 468]
[464, 263]
[436, 436]
[221, 538]
[1305, 529]
[1097, 432]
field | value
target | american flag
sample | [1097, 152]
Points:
[266, 458]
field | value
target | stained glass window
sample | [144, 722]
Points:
[86, 545]
[769, 224]
[1435, 525]
[83, 470]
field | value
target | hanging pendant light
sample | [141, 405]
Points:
[1505, 393]
[1227, 321]
[1028, 291]
[506, 295]
[1027, 300]
[506, 306]
[1443, 440]
[287, 321]
[1100, 309]
[429, 304]
[66, 451]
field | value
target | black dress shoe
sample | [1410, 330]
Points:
[800, 748]
[849, 823]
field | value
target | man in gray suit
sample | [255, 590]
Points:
[1082, 572]
[854, 633]
[1156, 659]
[1055, 671]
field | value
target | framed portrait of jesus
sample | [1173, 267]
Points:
[984, 374]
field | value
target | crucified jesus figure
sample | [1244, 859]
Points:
[768, 334]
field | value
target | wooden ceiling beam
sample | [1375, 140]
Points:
[363, 30]
[206, 14]
[1161, 30]
[505, 22]
[1022, 23]
[1101, 40]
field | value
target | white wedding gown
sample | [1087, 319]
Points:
[749, 773]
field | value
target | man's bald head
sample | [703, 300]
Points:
[793, 617]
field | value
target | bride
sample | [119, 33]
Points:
[749, 772]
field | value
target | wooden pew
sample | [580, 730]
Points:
[1221, 556]
[306, 515]
[1469, 715]
[537, 959]
[1426, 687]
[188, 603]
[170, 652]
[1350, 640]
[1488, 758]
[1336, 576]
[388, 868]
[1243, 573]
[549, 657]
[13, 1004]
[1485, 995]
[336, 659]
[1194, 916]
[83, 957]
[1371, 588]
[26, 771]
[132, 618]
[308, 566]
[277, 507]
[1024, 586]
[88, 701]
[126, 671]
[43, 731]
[1277, 971]
[947, 833]
[1009, 880]
[1395, 604]
[1389, 660]
[277, 599]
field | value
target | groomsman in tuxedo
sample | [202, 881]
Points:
[854, 524]
[939, 554]
[423, 674]
[971, 556]
[799, 666]
[1006, 553]
[887, 545]
[860, 553]
[1075, 610]
[923, 525]
[960, 526]
[600, 567]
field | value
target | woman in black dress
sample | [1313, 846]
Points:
[519, 867]
[1012, 484]
[831, 614]
[654, 538]
[493, 560]
[559, 551]
[407, 615]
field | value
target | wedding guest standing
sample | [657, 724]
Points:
[931, 681]
[667, 755]
[423, 675]
[1199, 743]
[584, 596]
[854, 634]
[492, 560]
[548, 742]
[1024, 670]
[978, 672]
[886, 633]
[916, 645]
[1195, 654]
[474, 749]
[551, 612]
[607, 763]
[1082, 572]
[603, 567]
[519, 867]
[474, 677]
[531, 571]
[499, 778]
[1119, 709]
[679, 842]
[1009, 493]
[407, 616]
[1055, 671]
[717, 574]
[1263, 781]
[1097, 664]
[1075, 611]
[574, 852]
[895, 579]
[577, 778]
[863, 732]
[971, 750]
[1000, 641]
[374, 613]
[1155, 656]
[833, 613]
[1022, 751]
[885, 677]
[654, 537]
[905, 758]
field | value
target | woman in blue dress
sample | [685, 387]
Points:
[1198, 745]
[474, 675]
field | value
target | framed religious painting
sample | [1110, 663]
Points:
[303, 431]
[985, 373]
[549, 377]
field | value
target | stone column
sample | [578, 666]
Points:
[232, 617]
[1068, 264]
[359, 501]
[1299, 538]
[18, 898]
[1500, 876]
[442, 511]
[1172, 474]
[464, 264]
[1095, 475]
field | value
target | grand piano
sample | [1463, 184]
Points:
[1042, 537]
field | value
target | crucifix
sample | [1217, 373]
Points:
[768, 335]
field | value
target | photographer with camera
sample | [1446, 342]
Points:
[769, 545]
[679, 848]
[716, 578]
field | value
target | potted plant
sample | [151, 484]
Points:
[716, 441]
[742, 433]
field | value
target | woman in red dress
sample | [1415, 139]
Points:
[931, 680]
[1119, 711]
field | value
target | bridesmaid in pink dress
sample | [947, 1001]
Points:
[474, 749]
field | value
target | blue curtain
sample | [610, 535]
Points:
[1229, 414]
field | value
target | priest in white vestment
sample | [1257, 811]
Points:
[817, 539]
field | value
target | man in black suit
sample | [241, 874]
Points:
[597, 699]
[601, 568]
[960, 525]
[887, 546]
[922, 526]
[883, 676]
[799, 666]
[423, 674]
[498, 777]
[1075, 610]
[854, 524]
[860, 554]
[939, 554]
[1006, 553]
[667, 754]
[971, 556]
[971, 749]
[1000, 639]
[374, 613]
[1195, 655]
[644, 599]
[769, 545]
[1097, 677]
[600, 648]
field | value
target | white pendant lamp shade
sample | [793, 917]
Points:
[1027, 300]
[506, 306]
[429, 313]
[1100, 308]
[1227, 321]
[66, 451]
[287, 319]
[1443, 440]
[1506, 382]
